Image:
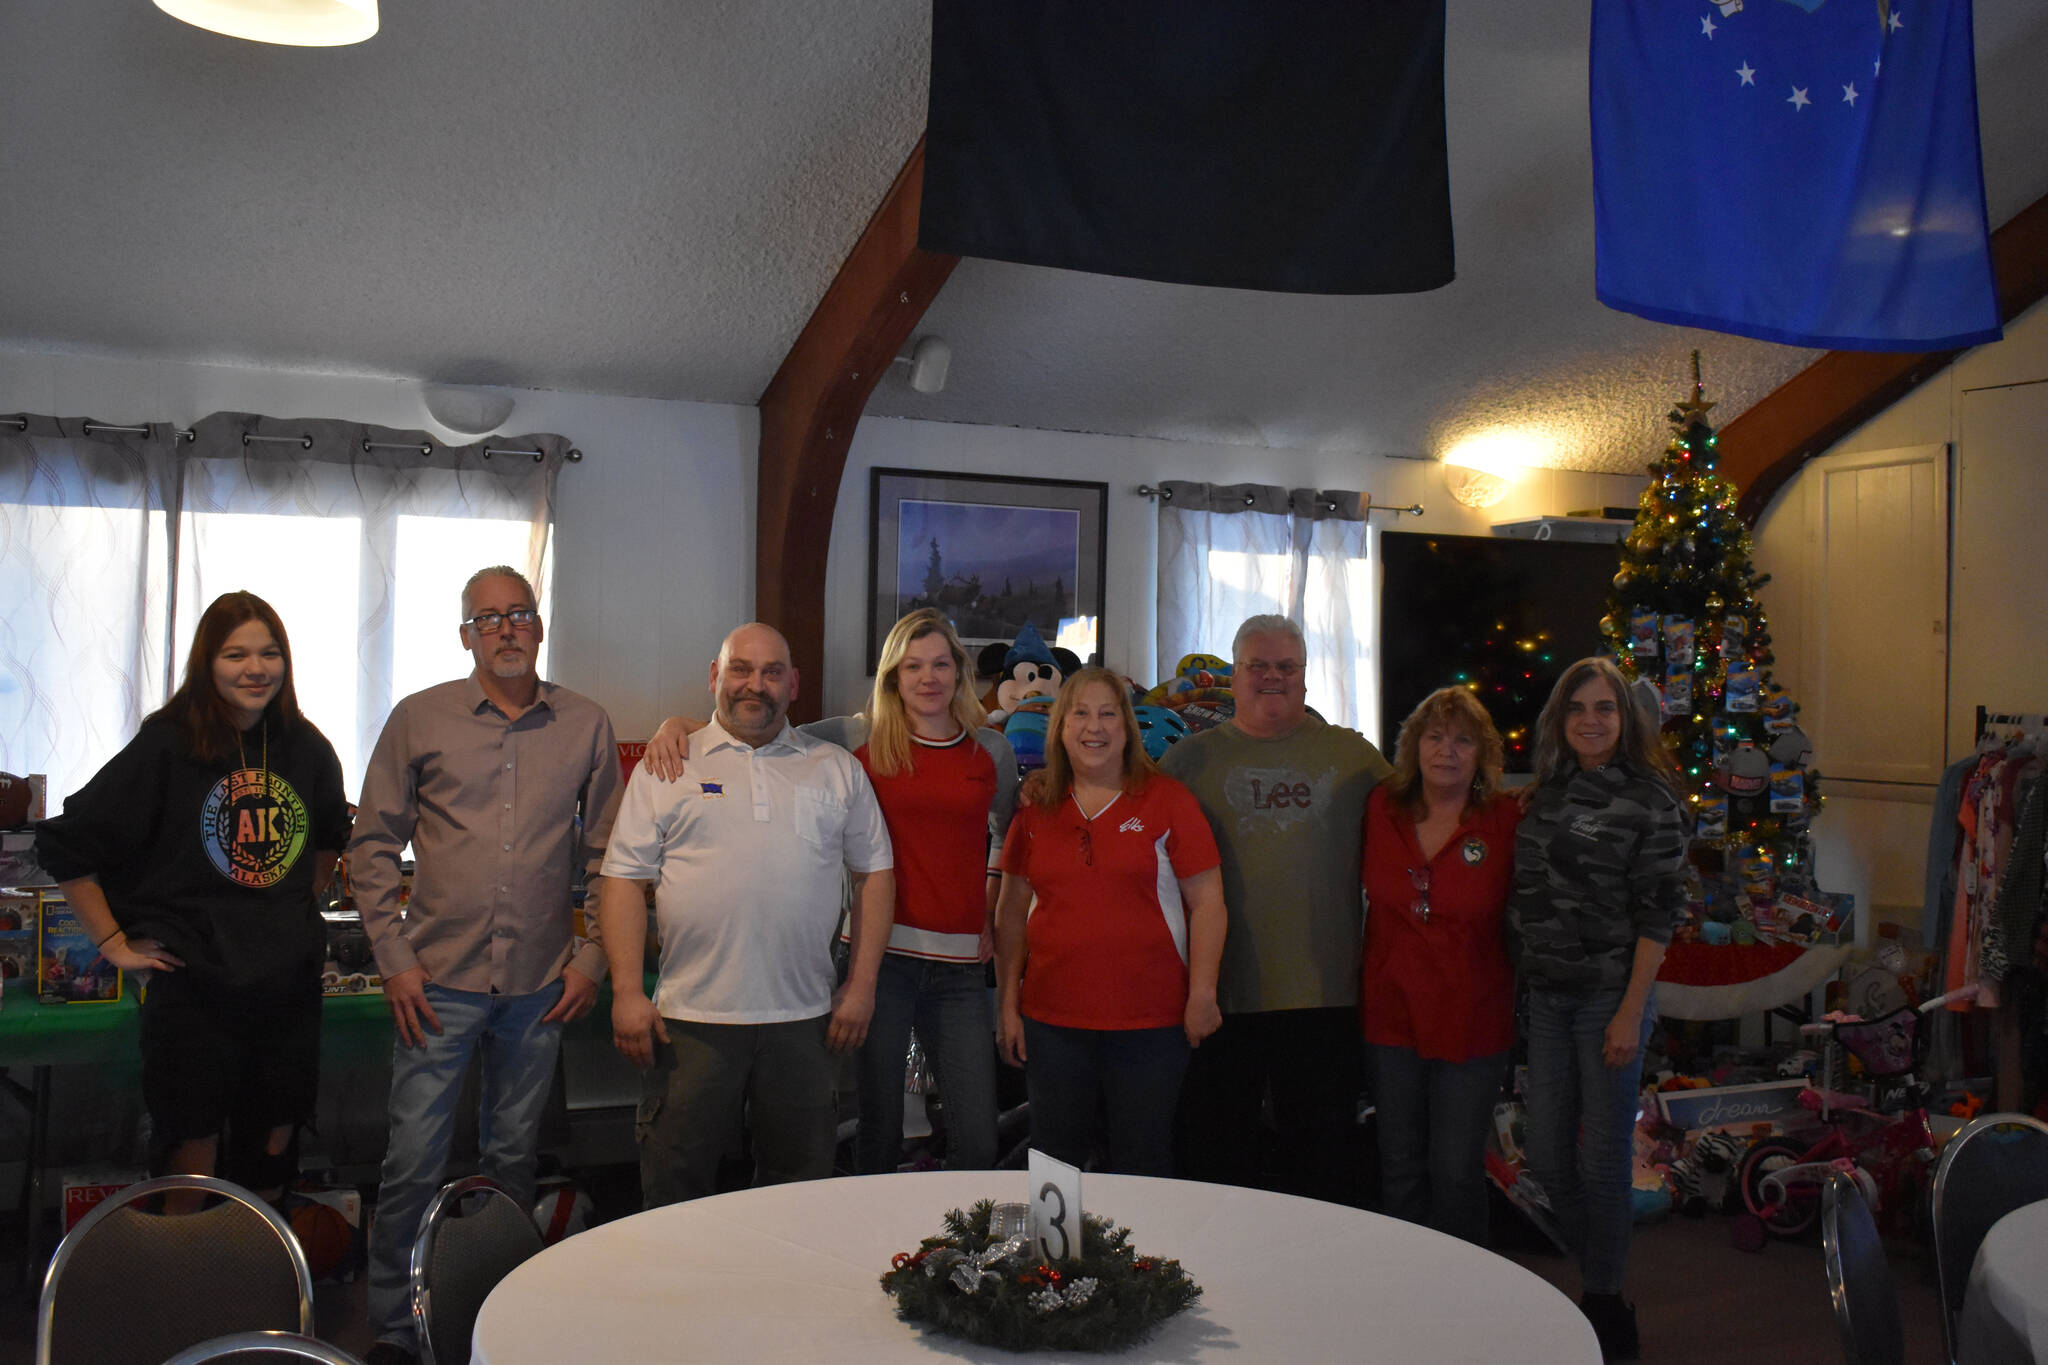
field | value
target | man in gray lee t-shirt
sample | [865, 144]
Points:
[1285, 793]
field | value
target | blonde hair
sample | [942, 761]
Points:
[1452, 708]
[1138, 767]
[888, 726]
[1642, 741]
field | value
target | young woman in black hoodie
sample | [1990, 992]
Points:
[194, 858]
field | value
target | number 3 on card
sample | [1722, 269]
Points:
[1055, 1207]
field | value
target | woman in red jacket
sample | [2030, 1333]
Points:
[1438, 994]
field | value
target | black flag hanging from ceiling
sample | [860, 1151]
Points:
[1251, 144]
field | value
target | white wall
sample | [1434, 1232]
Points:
[1875, 845]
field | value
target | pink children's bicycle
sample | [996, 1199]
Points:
[1882, 1142]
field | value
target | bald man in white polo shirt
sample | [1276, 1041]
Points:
[746, 854]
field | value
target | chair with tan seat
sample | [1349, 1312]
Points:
[133, 1284]
[263, 1348]
[472, 1236]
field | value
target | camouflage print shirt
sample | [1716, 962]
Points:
[1599, 863]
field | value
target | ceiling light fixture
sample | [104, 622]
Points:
[295, 23]
[466, 412]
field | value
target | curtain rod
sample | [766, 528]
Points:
[303, 440]
[1146, 490]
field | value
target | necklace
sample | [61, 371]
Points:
[243, 754]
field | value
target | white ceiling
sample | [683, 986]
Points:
[647, 197]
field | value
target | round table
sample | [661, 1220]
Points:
[792, 1273]
[2005, 1305]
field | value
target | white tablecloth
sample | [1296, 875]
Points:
[2005, 1306]
[791, 1273]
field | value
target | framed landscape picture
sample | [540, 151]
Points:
[989, 551]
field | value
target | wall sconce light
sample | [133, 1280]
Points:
[295, 23]
[928, 360]
[1479, 471]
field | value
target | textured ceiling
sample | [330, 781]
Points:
[647, 197]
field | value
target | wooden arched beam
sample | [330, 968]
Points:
[1763, 448]
[811, 406]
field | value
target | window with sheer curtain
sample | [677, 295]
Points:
[1228, 551]
[112, 544]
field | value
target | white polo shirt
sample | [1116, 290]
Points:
[747, 850]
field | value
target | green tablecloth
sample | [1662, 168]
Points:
[354, 1029]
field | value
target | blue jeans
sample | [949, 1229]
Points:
[1131, 1076]
[519, 1065]
[1581, 1126]
[947, 1002]
[1433, 1121]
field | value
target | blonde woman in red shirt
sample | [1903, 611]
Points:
[1437, 998]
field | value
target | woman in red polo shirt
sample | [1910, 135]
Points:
[1438, 995]
[1109, 979]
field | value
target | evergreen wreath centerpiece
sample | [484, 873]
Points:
[982, 1280]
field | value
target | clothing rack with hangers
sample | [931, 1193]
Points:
[2008, 726]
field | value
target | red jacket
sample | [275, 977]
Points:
[1442, 986]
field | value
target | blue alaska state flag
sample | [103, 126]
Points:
[1800, 171]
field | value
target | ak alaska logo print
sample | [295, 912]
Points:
[254, 827]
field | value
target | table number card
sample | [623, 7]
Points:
[1055, 1207]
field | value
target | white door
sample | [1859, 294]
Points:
[1875, 647]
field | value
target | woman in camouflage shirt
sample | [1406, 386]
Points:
[1599, 885]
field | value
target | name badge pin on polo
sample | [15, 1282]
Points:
[712, 788]
[1473, 850]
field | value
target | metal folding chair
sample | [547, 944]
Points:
[472, 1235]
[177, 1278]
[263, 1348]
[1859, 1277]
[1996, 1164]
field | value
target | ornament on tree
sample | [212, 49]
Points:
[1792, 748]
[1745, 772]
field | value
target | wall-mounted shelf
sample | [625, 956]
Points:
[1608, 529]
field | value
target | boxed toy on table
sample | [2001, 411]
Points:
[69, 966]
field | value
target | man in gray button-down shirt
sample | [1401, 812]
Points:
[483, 777]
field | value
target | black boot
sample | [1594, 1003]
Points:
[1614, 1323]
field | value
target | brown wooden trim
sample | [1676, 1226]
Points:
[810, 408]
[1763, 448]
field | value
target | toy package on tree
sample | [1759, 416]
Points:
[1686, 567]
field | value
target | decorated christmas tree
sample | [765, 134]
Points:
[1685, 616]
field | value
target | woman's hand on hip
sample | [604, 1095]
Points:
[139, 954]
